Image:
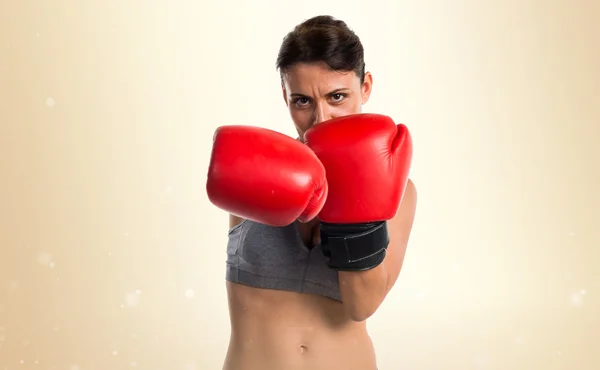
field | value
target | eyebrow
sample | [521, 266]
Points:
[329, 93]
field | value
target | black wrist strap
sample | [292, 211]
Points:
[354, 247]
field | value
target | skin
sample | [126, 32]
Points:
[274, 330]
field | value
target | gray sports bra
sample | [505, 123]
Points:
[270, 257]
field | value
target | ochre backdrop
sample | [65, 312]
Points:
[111, 256]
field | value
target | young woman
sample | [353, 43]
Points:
[289, 310]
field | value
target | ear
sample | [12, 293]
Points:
[367, 87]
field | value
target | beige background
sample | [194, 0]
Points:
[112, 257]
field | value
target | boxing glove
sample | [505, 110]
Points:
[367, 159]
[264, 176]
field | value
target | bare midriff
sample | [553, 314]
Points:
[279, 330]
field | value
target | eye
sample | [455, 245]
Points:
[302, 101]
[338, 97]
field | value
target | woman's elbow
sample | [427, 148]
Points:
[360, 314]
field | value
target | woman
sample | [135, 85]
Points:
[275, 324]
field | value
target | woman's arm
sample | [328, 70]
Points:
[363, 291]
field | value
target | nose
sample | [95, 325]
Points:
[322, 113]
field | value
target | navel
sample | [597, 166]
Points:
[303, 348]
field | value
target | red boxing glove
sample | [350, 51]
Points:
[265, 176]
[367, 158]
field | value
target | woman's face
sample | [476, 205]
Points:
[314, 93]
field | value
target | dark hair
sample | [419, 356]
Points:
[323, 39]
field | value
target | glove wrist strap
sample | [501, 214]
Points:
[354, 247]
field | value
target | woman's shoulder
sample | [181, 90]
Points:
[410, 192]
[407, 209]
[234, 221]
[411, 189]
